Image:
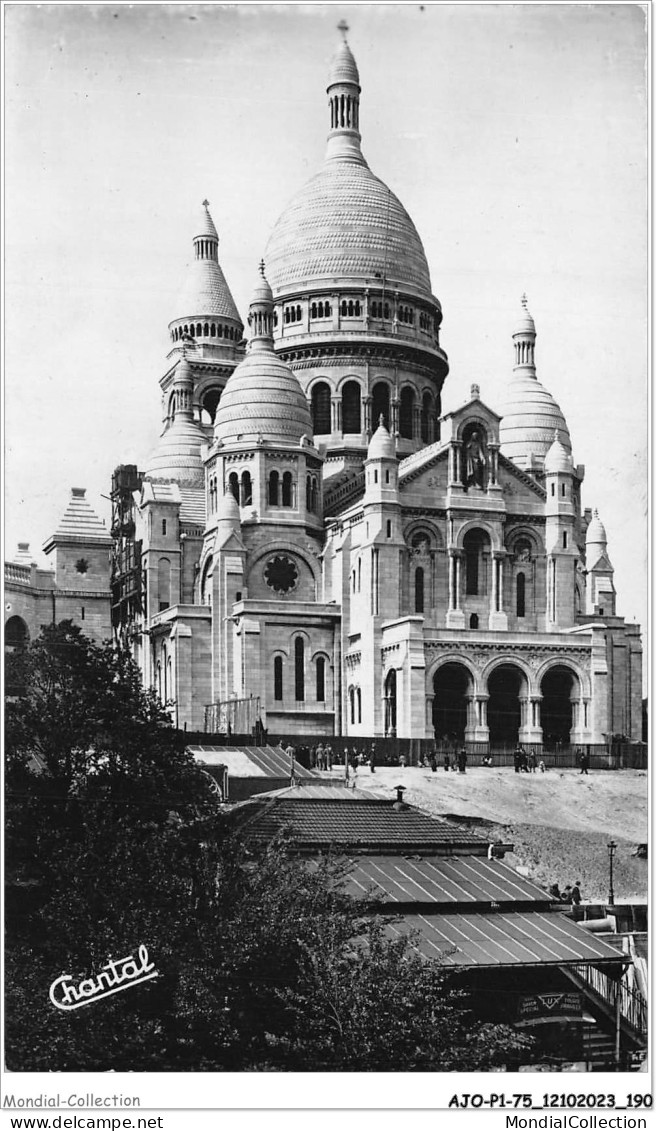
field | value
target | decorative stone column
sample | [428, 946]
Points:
[336, 412]
[481, 730]
[498, 619]
[455, 618]
[532, 731]
[367, 403]
[429, 714]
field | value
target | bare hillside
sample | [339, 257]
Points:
[560, 822]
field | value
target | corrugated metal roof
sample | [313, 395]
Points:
[464, 879]
[359, 823]
[250, 761]
[497, 939]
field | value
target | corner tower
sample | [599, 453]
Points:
[355, 316]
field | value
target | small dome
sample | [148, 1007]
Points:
[557, 458]
[262, 291]
[530, 418]
[178, 453]
[343, 67]
[205, 226]
[596, 533]
[262, 400]
[227, 509]
[381, 445]
[525, 323]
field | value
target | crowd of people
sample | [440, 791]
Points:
[454, 757]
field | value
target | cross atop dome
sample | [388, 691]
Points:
[524, 301]
[343, 27]
[262, 268]
[206, 203]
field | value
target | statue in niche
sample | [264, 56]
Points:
[475, 460]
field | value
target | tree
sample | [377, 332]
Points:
[114, 840]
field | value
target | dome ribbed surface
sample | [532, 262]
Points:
[205, 293]
[177, 455]
[206, 226]
[345, 223]
[530, 418]
[343, 67]
[262, 398]
[596, 532]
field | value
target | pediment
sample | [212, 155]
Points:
[516, 484]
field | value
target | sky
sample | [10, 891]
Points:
[515, 135]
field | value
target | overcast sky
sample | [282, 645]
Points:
[515, 135]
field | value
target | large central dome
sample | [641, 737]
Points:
[345, 223]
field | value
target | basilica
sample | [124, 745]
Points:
[315, 546]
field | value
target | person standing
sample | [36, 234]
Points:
[462, 760]
[372, 760]
[575, 894]
[447, 762]
[320, 757]
[585, 761]
[328, 755]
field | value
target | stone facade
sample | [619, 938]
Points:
[313, 537]
[76, 588]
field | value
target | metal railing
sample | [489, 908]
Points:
[633, 1007]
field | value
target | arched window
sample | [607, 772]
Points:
[206, 329]
[211, 401]
[213, 330]
[521, 595]
[344, 308]
[390, 702]
[407, 412]
[351, 310]
[308, 492]
[246, 489]
[358, 697]
[419, 590]
[164, 583]
[426, 418]
[199, 329]
[274, 480]
[219, 330]
[314, 496]
[321, 409]
[287, 490]
[359, 574]
[475, 543]
[473, 620]
[351, 419]
[313, 310]
[233, 484]
[321, 679]
[299, 669]
[277, 678]
[352, 704]
[381, 403]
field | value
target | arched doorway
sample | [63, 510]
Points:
[558, 687]
[17, 635]
[476, 544]
[504, 714]
[452, 689]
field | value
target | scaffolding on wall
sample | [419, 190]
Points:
[127, 579]
[234, 716]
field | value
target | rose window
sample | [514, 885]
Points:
[281, 574]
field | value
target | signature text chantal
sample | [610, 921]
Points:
[118, 974]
